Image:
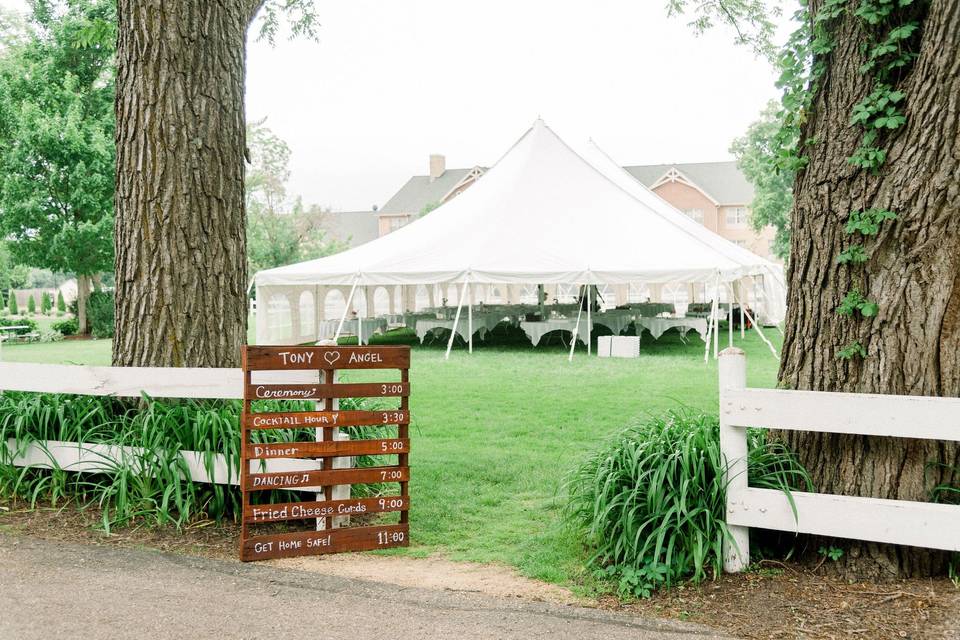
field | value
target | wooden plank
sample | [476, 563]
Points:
[328, 448]
[317, 419]
[852, 413]
[282, 357]
[261, 513]
[320, 391]
[918, 524]
[290, 545]
[103, 458]
[126, 382]
[300, 479]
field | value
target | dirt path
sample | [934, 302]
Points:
[434, 573]
[53, 589]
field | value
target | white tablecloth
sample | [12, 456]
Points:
[536, 330]
[616, 320]
[651, 309]
[657, 326]
[328, 328]
[426, 326]
[482, 323]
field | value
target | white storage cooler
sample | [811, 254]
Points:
[618, 346]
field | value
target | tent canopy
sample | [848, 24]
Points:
[541, 214]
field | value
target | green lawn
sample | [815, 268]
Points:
[494, 432]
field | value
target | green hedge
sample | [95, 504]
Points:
[100, 310]
[67, 326]
[30, 323]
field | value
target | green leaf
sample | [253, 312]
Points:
[853, 255]
[869, 309]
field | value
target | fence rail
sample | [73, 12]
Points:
[156, 382]
[902, 522]
[133, 382]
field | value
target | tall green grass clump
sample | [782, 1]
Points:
[649, 503]
[154, 485]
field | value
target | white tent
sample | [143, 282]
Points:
[772, 281]
[541, 215]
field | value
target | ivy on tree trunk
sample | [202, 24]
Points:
[912, 345]
[180, 219]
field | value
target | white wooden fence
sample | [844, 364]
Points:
[156, 382]
[920, 524]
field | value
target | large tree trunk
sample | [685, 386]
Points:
[180, 220]
[913, 273]
[83, 293]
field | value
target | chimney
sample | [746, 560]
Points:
[438, 164]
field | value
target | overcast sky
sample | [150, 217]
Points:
[390, 82]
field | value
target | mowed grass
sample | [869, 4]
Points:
[495, 432]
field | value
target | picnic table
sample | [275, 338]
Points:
[11, 330]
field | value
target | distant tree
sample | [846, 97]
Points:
[756, 153]
[46, 304]
[56, 142]
[279, 232]
[61, 303]
[12, 304]
[427, 208]
[31, 305]
[265, 184]
[5, 266]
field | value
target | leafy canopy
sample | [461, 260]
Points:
[56, 139]
[756, 153]
[279, 232]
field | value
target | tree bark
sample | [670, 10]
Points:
[913, 273]
[83, 294]
[180, 219]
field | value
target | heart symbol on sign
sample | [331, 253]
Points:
[331, 356]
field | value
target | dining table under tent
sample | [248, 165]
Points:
[544, 218]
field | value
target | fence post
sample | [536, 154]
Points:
[733, 450]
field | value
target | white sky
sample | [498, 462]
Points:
[388, 83]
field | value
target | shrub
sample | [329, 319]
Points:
[67, 326]
[46, 304]
[650, 501]
[31, 305]
[61, 303]
[12, 304]
[50, 335]
[100, 314]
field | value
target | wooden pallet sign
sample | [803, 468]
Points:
[279, 529]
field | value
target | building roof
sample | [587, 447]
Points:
[352, 227]
[419, 191]
[722, 181]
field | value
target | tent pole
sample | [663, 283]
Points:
[706, 346]
[739, 295]
[589, 323]
[456, 320]
[576, 332]
[346, 308]
[730, 318]
[716, 321]
[470, 318]
[756, 326]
